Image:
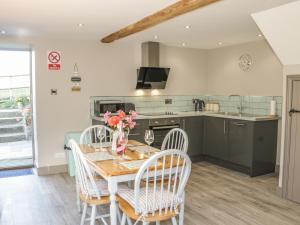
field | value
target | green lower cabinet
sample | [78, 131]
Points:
[193, 126]
[215, 138]
[246, 146]
[240, 142]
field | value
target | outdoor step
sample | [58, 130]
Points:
[10, 120]
[11, 128]
[12, 137]
[10, 112]
[11, 125]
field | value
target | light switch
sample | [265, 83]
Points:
[53, 91]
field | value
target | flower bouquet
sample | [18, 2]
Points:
[121, 124]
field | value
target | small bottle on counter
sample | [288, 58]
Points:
[273, 107]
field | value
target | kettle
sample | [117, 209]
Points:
[199, 105]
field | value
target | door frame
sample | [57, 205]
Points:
[29, 49]
[287, 136]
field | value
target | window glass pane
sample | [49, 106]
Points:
[14, 63]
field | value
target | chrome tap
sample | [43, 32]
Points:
[240, 108]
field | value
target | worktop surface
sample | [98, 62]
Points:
[247, 117]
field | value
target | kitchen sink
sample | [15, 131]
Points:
[236, 114]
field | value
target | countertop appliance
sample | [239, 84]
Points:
[199, 105]
[161, 127]
[150, 75]
[101, 107]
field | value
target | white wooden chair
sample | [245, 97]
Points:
[158, 201]
[176, 139]
[91, 193]
[97, 136]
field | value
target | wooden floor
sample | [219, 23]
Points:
[215, 196]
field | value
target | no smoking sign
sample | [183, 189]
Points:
[54, 60]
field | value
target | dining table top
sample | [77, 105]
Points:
[114, 166]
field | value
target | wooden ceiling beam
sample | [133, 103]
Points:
[171, 11]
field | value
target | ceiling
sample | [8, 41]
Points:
[227, 21]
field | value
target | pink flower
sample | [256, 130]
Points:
[129, 119]
[132, 125]
[106, 116]
[113, 121]
[121, 114]
[133, 114]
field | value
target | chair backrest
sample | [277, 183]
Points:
[164, 177]
[83, 171]
[96, 134]
[176, 139]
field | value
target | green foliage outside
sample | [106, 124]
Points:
[10, 99]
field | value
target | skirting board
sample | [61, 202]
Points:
[47, 170]
[277, 169]
[279, 192]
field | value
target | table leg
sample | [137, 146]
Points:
[113, 188]
[181, 213]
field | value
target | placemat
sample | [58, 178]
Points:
[144, 149]
[99, 156]
[135, 164]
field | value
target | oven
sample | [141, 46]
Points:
[161, 127]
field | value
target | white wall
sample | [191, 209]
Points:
[105, 70]
[280, 26]
[225, 77]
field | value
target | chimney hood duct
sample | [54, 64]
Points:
[150, 54]
[150, 75]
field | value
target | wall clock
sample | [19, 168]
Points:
[245, 62]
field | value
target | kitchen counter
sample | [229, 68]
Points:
[247, 117]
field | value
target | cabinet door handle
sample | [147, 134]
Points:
[224, 126]
[136, 134]
[240, 124]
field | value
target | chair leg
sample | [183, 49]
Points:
[129, 220]
[78, 198]
[174, 221]
[123, 221]
[181, 212]
[83, 214]
[93, 215]
[119, 214]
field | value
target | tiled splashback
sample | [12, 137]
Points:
[259, 105]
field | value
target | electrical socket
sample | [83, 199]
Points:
[168, 101]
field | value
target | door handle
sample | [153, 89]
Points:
[224, 126]
[240, 124]
[292, 111]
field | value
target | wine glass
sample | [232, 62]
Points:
[149, 138]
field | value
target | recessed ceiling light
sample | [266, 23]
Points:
[80, 25]
[183, 44]
[155, 37]
[187, 27]
[220, 43]
[3, 32]
[259, 35]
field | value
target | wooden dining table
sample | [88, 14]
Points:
[114, 172]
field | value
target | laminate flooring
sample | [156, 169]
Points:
[215, 196]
